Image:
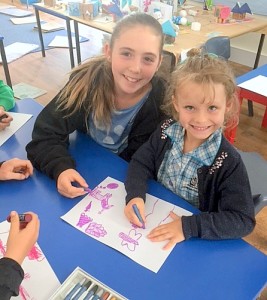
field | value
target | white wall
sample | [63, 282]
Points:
[244, 49]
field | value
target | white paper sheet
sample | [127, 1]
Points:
[23, 90]
[24, 20]
[40, 281]
[257, 84]
[16, 12]
[17, 50]
[100, 215]
[62, 42]
[18, 121]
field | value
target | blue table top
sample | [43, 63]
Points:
[195, 269]
[251, 74]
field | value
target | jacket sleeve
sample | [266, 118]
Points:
[48, 150]
[11, 276]
[229, 213]
[142, 167]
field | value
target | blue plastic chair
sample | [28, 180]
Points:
[257, 172]
[219, 45]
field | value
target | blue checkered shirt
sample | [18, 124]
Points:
[178, 170]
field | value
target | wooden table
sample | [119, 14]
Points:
[186, 38]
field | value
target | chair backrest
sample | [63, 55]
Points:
[219, 45]
[257, 172]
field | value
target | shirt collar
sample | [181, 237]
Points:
[205, 153]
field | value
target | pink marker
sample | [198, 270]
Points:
[23, 218]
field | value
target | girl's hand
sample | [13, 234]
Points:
[65, 186]
[5, 121]
[21, 239]
[130, 214]
[15, 168]
[172, 231]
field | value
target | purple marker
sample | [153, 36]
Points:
[137, 213]
[87, 190]
[23, 218]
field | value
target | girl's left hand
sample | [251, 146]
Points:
[7, 119]
[172, 231]
[15, 168]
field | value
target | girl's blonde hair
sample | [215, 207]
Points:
[207, 70]
[91, 84]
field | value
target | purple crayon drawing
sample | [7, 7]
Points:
[112, 186]
[35, 254]
[96, 230]
[88, 207]
[130, 240]
[84, 219]
[96, 193]
[162, 221]
[22, 291]
[2, 248]
[154, 205]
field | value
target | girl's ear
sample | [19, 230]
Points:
[229, 105]
[160, 61]
[174, 102]
[107, 51]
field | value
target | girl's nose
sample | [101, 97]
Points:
[135, 66]
[201, 117]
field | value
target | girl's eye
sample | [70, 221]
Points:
[149, 59]
[189, 107]
[212, 108]
[127, 54]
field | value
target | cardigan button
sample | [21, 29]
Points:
[199, 171]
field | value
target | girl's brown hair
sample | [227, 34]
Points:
[207, 70]
[91, 84]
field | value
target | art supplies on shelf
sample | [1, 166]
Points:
[81, 285]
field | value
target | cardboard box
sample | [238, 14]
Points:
[79, 276]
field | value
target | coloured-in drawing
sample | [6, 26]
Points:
[131, 239]
[22, 291]
[39, 282]
[110, 226]
[84, 219]
[103, 198]
[35, 254]
[96, 230]
[112, 185]
[2, 248]
[88, 207]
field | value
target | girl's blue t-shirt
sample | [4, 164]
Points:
[115, 137]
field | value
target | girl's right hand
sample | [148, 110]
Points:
[21, 239]
[130, 214]
[65, 186]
